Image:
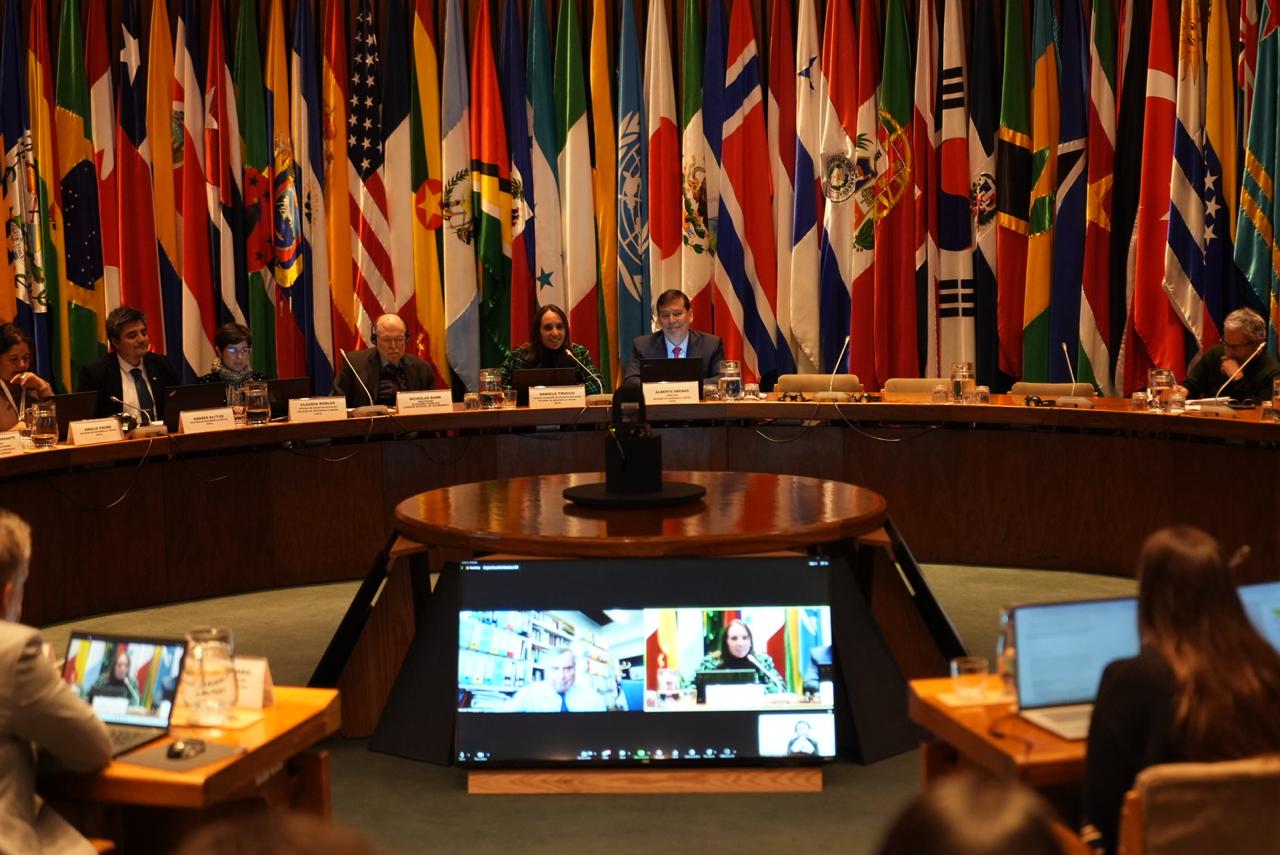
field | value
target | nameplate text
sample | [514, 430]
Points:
[317, 409]
[94, 431]
[203, 421]
[555, 397]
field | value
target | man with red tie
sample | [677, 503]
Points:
[675, 340]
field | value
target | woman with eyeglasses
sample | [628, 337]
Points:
[18, 383]
[232, 365]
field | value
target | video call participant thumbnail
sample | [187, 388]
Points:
[559, 690]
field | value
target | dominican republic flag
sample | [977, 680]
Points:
[746, 258]
[781, 115]
[839, 175]
[955, 296]
[634, 294]
[1069, 218]
[1185, 279]
[807, 207]
[984, 125]
[310, 295]
[1094, 360]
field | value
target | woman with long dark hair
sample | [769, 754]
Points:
[549, 346]
[1205, 686]
[738, 653]
[19, 385]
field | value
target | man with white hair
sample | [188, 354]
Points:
[376, 374]
[1228, 367]
[36, 707]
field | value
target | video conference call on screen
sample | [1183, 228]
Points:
[676, 661]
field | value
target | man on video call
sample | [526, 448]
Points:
[557, 691]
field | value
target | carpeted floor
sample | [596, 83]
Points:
[410, 807]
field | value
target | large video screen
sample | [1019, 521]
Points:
[620, 662]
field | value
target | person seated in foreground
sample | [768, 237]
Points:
[1243, 332]
[233, 362]
[130, 372]
[559, 690]
[737, 652]
[18, 382]
[274, 833]
[36, 708]
[549, 346]
[967, 814]
[675, 339]
[385, 368]
[1204, 687]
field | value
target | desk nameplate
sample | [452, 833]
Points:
[418, 403]
[94, 431]
[557, 397]
[203, 421]
[10, 444]
[671, 392]
[317, 409]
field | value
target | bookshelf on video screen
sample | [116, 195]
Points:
[624, 662]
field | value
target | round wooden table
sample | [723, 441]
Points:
[743, 512]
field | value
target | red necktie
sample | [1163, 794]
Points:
[675, 352]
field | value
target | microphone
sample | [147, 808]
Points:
[1078, 401]
[146, 427]
[830, 395]
[373, 409]
[602, 398]
[1239, 370]
[751, 657]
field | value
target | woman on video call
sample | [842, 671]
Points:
[737, 652]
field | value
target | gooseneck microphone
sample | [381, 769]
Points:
[830, 395]
[146, 427]
[1072, 400]
[1071, 369]
[1239, 371]
[568, 348]
[373, 408]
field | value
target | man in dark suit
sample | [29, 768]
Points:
[675, 340]
[383, 369]
[130, 372]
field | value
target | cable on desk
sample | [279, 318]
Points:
[928, 429]
[127, 490]
[998, 732]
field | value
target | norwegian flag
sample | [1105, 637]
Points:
[370, 233]
[746, 259]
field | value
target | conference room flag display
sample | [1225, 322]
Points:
[165, 193]
[605, 174]
[780, 121]
[984, 125]
[634, 294]
[1222, 169]
[101, 127]
[1069, 220]
[954, 303]
[839, 178]
[1013, 190]
[491, 189]
[543, 190]
[334, 83]
[924, 179]
[662, 143]
[696, 247]
[714, 57]
[44, 210]
[511, 70]
[397, 168]
[1045, 133]
[1094, 355]
[807, 204]
[1246, 64]
[281, 230]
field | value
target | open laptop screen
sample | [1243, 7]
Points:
[127, 680]
[1063, 648]
[685, 661]
[1262, 604]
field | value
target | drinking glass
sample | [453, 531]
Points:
[44, 424]
[710, 391]
[235, 400]
[210, 675]
[969, 678]
[1159, 386]
[509, 398]
[982, 395]
[730, 379]
[257, 403]
[751, 391]
[941, 394]
[962, 382]
[491, 397]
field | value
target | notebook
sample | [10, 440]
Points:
[129, 681]
[1062, 651]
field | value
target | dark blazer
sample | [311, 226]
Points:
[419, 374]
[103, 377]
[709, 348]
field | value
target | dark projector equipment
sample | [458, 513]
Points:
[632, 463]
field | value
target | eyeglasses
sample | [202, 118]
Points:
[1244, 345]
[233, 350]
[392, 339]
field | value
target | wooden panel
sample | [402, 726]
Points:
[375, 662]
[648, 780]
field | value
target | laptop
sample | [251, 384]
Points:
[1261, 603]
[74, 407]
[728, 686]
[129, 681]
[194, 396]
[523, 378]
[672, 371]
[282, 390]
[1063, 649]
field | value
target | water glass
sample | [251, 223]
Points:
[1138, 403]
[257, 403]
[210, 675]
[471, 401]
[941, 395]
[731, 379]
[235, 400]
[982, 395]
[969, 678]
[751, 391]
[962, 382]
[509, 398]
[710, 391]
[43, 417]
[1160, 385]
[1177, 403]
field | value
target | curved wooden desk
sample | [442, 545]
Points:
[743, 512]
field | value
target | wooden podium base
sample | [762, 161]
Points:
[642, 781]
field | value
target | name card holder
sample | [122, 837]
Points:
[10, 444]
[557, 397]
[94, 431]
[204, 421]
[253, 678]
[417, 403]
[671, 392]
[326, 409]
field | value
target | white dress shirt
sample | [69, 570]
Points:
[130, 391]
[683, 345]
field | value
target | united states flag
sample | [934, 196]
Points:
[370, 233]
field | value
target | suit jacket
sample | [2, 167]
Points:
[419, 374]
[103, 377]
[36, 706]
[709, 348]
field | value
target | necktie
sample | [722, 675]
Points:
[564, 707]
[675, 352]
[145, 401]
